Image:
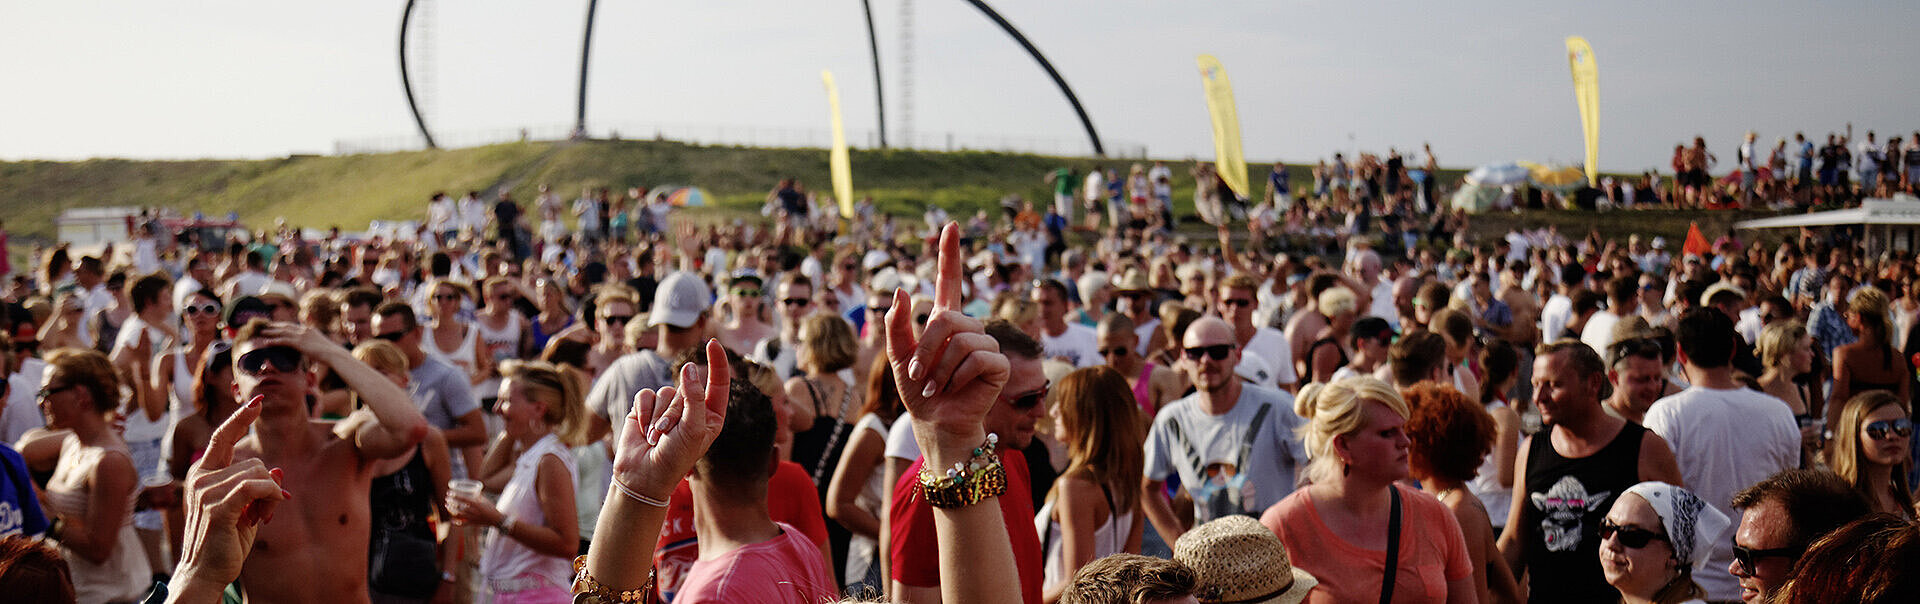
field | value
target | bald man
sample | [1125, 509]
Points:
[1233, 443]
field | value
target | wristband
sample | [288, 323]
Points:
[506, 525]
[636, 494]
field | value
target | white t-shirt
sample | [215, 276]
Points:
[1382, 305]
[1599, 331]
[1076, 345]
[1725, 440]
[1271, 346]
[1206, 451]
[1096, 189]
[1555, 316]
[900, 442]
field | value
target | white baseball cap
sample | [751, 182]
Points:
[680, 300]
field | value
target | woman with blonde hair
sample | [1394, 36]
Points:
[452, 337]
[1329, 353]
[1872, 451]
[1093, 510]
[1355, 518]
[1869, 363]
[529, 558]
[822, 398]
[1786, 350]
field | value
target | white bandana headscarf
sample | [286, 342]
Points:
[1692, 525]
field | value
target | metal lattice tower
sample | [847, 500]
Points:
[905, 124]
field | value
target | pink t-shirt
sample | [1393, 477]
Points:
[787, 568]
[1433, 551]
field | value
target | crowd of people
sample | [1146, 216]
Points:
[1026, 407]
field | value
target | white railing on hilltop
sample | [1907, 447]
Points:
[752, 136]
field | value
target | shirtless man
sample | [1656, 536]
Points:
[318, 551]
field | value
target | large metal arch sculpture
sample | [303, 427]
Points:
[406, 79]
[586, 48]
[1085, 122]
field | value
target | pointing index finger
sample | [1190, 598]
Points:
[947, 283]
[220, 446]
[719, 376]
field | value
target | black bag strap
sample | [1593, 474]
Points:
[1393, 547]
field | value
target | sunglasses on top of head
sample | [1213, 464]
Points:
[1217, 352]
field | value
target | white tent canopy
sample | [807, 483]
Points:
[1891, 223]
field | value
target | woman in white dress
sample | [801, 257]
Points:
[1094, 508]
[529, 557]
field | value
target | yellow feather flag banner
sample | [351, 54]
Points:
[1227, 156]
[838, 164]
[1586, 89]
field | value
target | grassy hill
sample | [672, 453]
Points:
[348, 191]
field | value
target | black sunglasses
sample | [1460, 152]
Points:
[621, 319]
[1236, 302]
[1026, 402]
[795, 301]
[392, 336]
[284, 359]
[1747, 557]
[1217, 352]
[1117, 351]
[1635, 538]
[1900, 428]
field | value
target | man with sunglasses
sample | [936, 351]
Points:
[794, 297]
[442, 392]
[679, 316]
[1724, 435]
[1232, 443]
[1779, 518]
[316, 552]
[1567, 477]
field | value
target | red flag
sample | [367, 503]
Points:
[1696, 243]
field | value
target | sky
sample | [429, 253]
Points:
[1482, 81]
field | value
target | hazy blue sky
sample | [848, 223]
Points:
[1483, 81]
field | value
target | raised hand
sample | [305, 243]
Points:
[951, 374]
[226, 504]
[308, 341]
[667, 431]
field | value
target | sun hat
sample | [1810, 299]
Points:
[1236, 559]
[1692, 525]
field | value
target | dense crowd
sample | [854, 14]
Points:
[1072, 402]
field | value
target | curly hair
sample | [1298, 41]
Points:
[1449, 434]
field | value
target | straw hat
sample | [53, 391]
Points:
[1132, 281]
[1238, 560]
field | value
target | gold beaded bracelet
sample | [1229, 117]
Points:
[588, 591]
[965, 484]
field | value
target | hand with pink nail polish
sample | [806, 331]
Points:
[952, 372]
[668, 430]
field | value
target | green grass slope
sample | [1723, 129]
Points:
[348, 191]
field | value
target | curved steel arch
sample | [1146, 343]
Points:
[879, 93]
[586, 48]
[1085, 122]
[406, 79]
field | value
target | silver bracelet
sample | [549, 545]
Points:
[636, 494]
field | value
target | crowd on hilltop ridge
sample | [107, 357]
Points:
[1071, 400]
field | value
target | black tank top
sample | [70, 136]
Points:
[1566, 500]
[402, 501]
